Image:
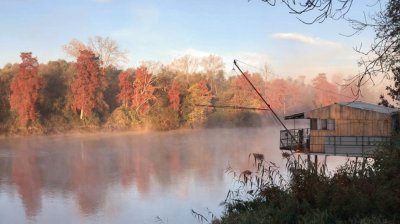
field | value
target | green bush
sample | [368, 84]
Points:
[122, 118]
[162, 119]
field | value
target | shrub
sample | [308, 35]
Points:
[357, 192]
[247, 119]
[122, 118]
[163, 118]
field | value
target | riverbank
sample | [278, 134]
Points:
[215, 120]
[357, 192]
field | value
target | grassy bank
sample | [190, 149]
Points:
[366, 191]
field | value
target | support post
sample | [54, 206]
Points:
[355, 167]
[316, 163]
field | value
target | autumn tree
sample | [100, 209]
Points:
[143, 90]
[153, 67]
[325, 93]
[25, 88]
[278, 94]
[288, 95]
[243, 93]
[106, 49]
[186, 64]
[126, 89]
[86, 86]
[174, 95]
[198, 94]
[212, 65]
[74, 47]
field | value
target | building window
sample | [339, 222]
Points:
[314, 124]
[330, 124]
[322, 124]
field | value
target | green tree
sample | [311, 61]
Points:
[6, 75]
[53, 98]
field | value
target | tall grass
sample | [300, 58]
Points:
[361, 191]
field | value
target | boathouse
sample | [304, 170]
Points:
[347, 128]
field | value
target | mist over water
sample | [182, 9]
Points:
[126, 177]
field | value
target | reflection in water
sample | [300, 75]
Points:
[26, 176]
[120, 178]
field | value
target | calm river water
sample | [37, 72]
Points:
[125, 177]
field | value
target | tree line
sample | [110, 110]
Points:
[92, 93]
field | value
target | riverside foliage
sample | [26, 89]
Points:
[86, 95]
[364, 191]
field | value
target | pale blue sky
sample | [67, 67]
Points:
[163, 29]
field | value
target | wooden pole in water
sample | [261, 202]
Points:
[355, 167]
[324, 168]
[316, 163]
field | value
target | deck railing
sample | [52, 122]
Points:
[295, 139]
[352, 145]
[300, 140]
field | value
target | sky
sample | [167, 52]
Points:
[161, 30]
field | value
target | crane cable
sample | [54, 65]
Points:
[265, 101]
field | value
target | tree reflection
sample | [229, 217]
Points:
[89, 178]
[25, 175]
[88, 169]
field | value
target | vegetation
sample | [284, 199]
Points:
[25, 88]
[358, 192]
[62, 96]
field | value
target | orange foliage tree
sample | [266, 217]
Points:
[86, 87]
[25, 88]
[199, 94]
[287, 95]
[243, 93]
[126, 89]
[277, 94]
[143, 90]
[174, 95]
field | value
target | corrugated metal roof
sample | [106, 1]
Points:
[368, 106]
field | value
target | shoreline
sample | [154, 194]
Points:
[103, 131]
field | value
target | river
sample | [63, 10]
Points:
[151, 177]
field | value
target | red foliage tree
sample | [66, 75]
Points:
[277, 94]
[126, 89]
[25, 88]
[86, 88]
[287, 95]
[143, 90]
[174, 95]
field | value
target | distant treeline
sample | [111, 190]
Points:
[89, 94]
